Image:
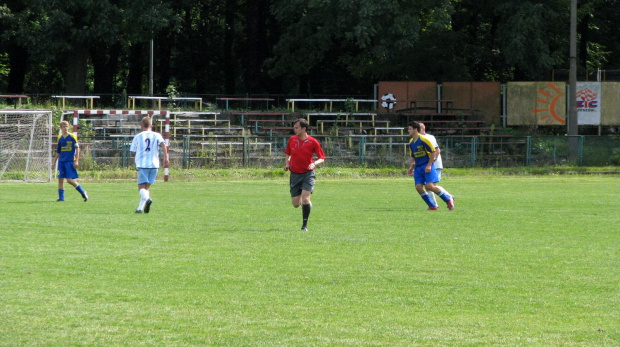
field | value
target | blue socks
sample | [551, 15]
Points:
[445, 196]
[427, 199]
[79, 189]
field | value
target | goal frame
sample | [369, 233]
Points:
[45, 134]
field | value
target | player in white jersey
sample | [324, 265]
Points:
[438, 162]
[145, 147]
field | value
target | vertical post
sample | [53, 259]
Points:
[75, 122]
[504, 96]
[49, 146]
[151, 68]
[167, 140]
[474, 150]
[572, 122]
[528, 150]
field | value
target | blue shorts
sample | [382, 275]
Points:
[421, 177]
[147, 176]
[66, 170]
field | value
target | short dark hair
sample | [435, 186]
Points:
[146, 122]
[303, 123]
[415, 125]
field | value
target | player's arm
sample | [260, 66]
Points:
[56, 156]
[164, 150]
[431, 159]
[288, 163]
[411, 166]
[318, 150]
[77, 157]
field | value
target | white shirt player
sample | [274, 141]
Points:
[146, 146]
[438, 162]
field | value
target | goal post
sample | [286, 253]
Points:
[25, 145]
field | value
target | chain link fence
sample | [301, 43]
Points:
[223, 151]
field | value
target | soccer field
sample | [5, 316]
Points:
[530, 261]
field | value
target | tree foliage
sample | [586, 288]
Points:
[292, 46]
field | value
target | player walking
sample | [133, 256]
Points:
[145, 147]
[438, 162]
[423, 156]
[300, 152]
[68, 157]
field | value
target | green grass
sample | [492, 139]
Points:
[523, 260]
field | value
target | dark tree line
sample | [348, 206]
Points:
[325, 47]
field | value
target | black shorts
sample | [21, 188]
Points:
[299, 182]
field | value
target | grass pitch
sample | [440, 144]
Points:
[521, 261]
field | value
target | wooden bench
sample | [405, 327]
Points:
[353, 130]
[19, 98]
[320, 123]
[110, 130]
[458, 129]
[434, 117]
[291, 102]
[256, 122]
[280, 115]
[131, 100]
[333, 115]
[403, 145]
[247, 100]
[401, 130]
[174, 127]
[289, 129]
[449, 104]
[452, 121]
[206, 131]
[230, 144]
[63, 98]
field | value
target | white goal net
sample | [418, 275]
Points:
[25, 145]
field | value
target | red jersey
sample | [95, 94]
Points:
[301, 152]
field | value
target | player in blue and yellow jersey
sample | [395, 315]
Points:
[423, 156]
[68, 156]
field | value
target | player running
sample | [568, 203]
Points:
[423, 156]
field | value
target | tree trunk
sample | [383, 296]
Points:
[105, 65]
[18, 62]
[257, 44]
[75, 71]
[136, 69]
[163, 51]
[229, 36]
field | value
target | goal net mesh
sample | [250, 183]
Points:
[25, 146]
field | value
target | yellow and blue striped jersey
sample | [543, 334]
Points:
[421, 149]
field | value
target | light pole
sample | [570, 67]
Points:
[572, 123]
[151, 70]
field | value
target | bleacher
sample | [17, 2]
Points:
[223, 137]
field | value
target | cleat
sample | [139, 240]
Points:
[85, 196]
[451, 204]
[432, 208]
[304, 229]
[138, 211]
[147, 206]
[59, 200]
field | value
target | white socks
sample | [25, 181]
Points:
[144, 196]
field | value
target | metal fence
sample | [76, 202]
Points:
[224, 151]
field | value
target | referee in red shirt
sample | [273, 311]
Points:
[300, 152]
